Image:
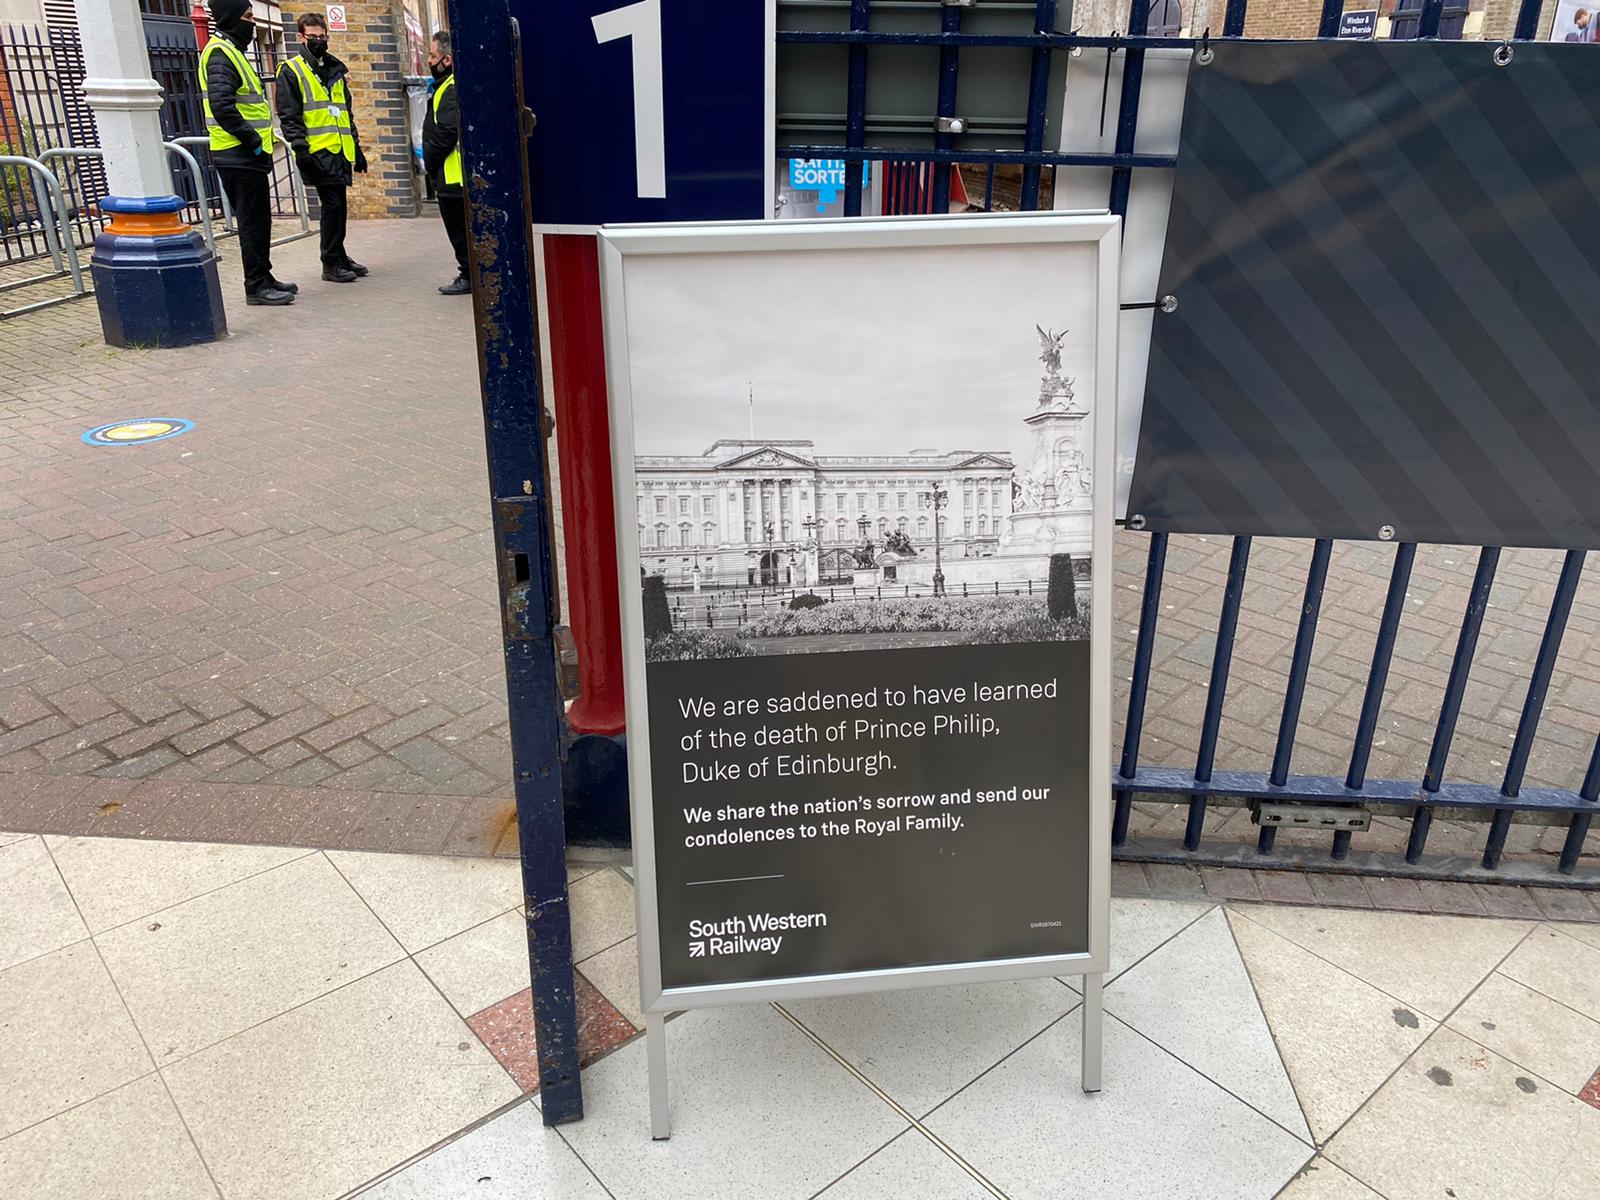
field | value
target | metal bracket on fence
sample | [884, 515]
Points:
[42, 174]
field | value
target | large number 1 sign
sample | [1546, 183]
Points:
[658, 110]
[641, 23]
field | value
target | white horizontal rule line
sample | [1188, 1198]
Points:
[739, 879]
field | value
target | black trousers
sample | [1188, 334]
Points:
[335, 212]
[248, 191]
[454, 211]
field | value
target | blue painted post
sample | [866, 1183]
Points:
[1579, 829]
[1143, 651]
[1528, 20]
[489, 87]
[1405, 555]
[1044, 21]
[1329, 25]
[1455, 689]
[1533, 706]
[1299, 667]
[1233, 19]
[1128, 113]
[1216, 692]
[1428, 22]
[855, 128]
[949, 69]
[155, 279]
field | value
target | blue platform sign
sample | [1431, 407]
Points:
[658, 110]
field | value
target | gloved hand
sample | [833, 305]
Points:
[307, 164]
[361, 162]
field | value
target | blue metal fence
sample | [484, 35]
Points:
[1420, 799]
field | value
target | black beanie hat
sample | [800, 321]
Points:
[227, 13]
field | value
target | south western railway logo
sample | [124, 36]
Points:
[753, 933]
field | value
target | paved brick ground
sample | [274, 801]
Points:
[298, 592]
[282, 625]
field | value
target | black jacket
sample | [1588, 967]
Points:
[439, 137]
[222, 88]
[324, 167]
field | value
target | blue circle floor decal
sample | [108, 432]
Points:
[137, 432]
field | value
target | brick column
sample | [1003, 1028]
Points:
[372, 49]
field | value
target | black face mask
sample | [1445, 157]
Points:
[316, 46]
[439, 69]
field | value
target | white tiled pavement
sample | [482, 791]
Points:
[185, 1021]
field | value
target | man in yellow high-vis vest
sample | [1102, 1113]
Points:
[441, 156]
[239, 125]
[313, 100]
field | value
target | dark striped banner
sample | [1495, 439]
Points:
[1386, 261]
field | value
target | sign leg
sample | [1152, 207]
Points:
[1093, 1031]
[655, 1052]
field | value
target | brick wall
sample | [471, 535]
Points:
[372, 50]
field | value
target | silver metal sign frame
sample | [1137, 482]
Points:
[620, 243]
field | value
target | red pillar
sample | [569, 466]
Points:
[583, 445]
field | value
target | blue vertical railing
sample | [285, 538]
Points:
[1377, 679]
[1217, 690]
[1455, 689]
[1533, 707]
[1143, 655]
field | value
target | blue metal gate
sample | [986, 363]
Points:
[1497, 804]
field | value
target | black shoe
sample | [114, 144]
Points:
[269, 295]
[456, 287]
[292, 288]
[338, 275]
[355, 268]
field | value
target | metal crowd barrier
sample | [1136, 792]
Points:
[57, 230]
[65, 257]
[202, 196]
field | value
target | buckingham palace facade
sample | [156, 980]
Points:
[741, 511]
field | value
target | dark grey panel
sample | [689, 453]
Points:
[1386, 259]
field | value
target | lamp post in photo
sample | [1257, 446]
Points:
[937, 499]
[813, 550]
[769, 564]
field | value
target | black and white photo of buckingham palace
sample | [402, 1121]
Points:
[747, 511]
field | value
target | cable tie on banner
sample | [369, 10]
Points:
[1502, 54]
[1205, 56]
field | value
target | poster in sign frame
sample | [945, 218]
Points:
[865, 552]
